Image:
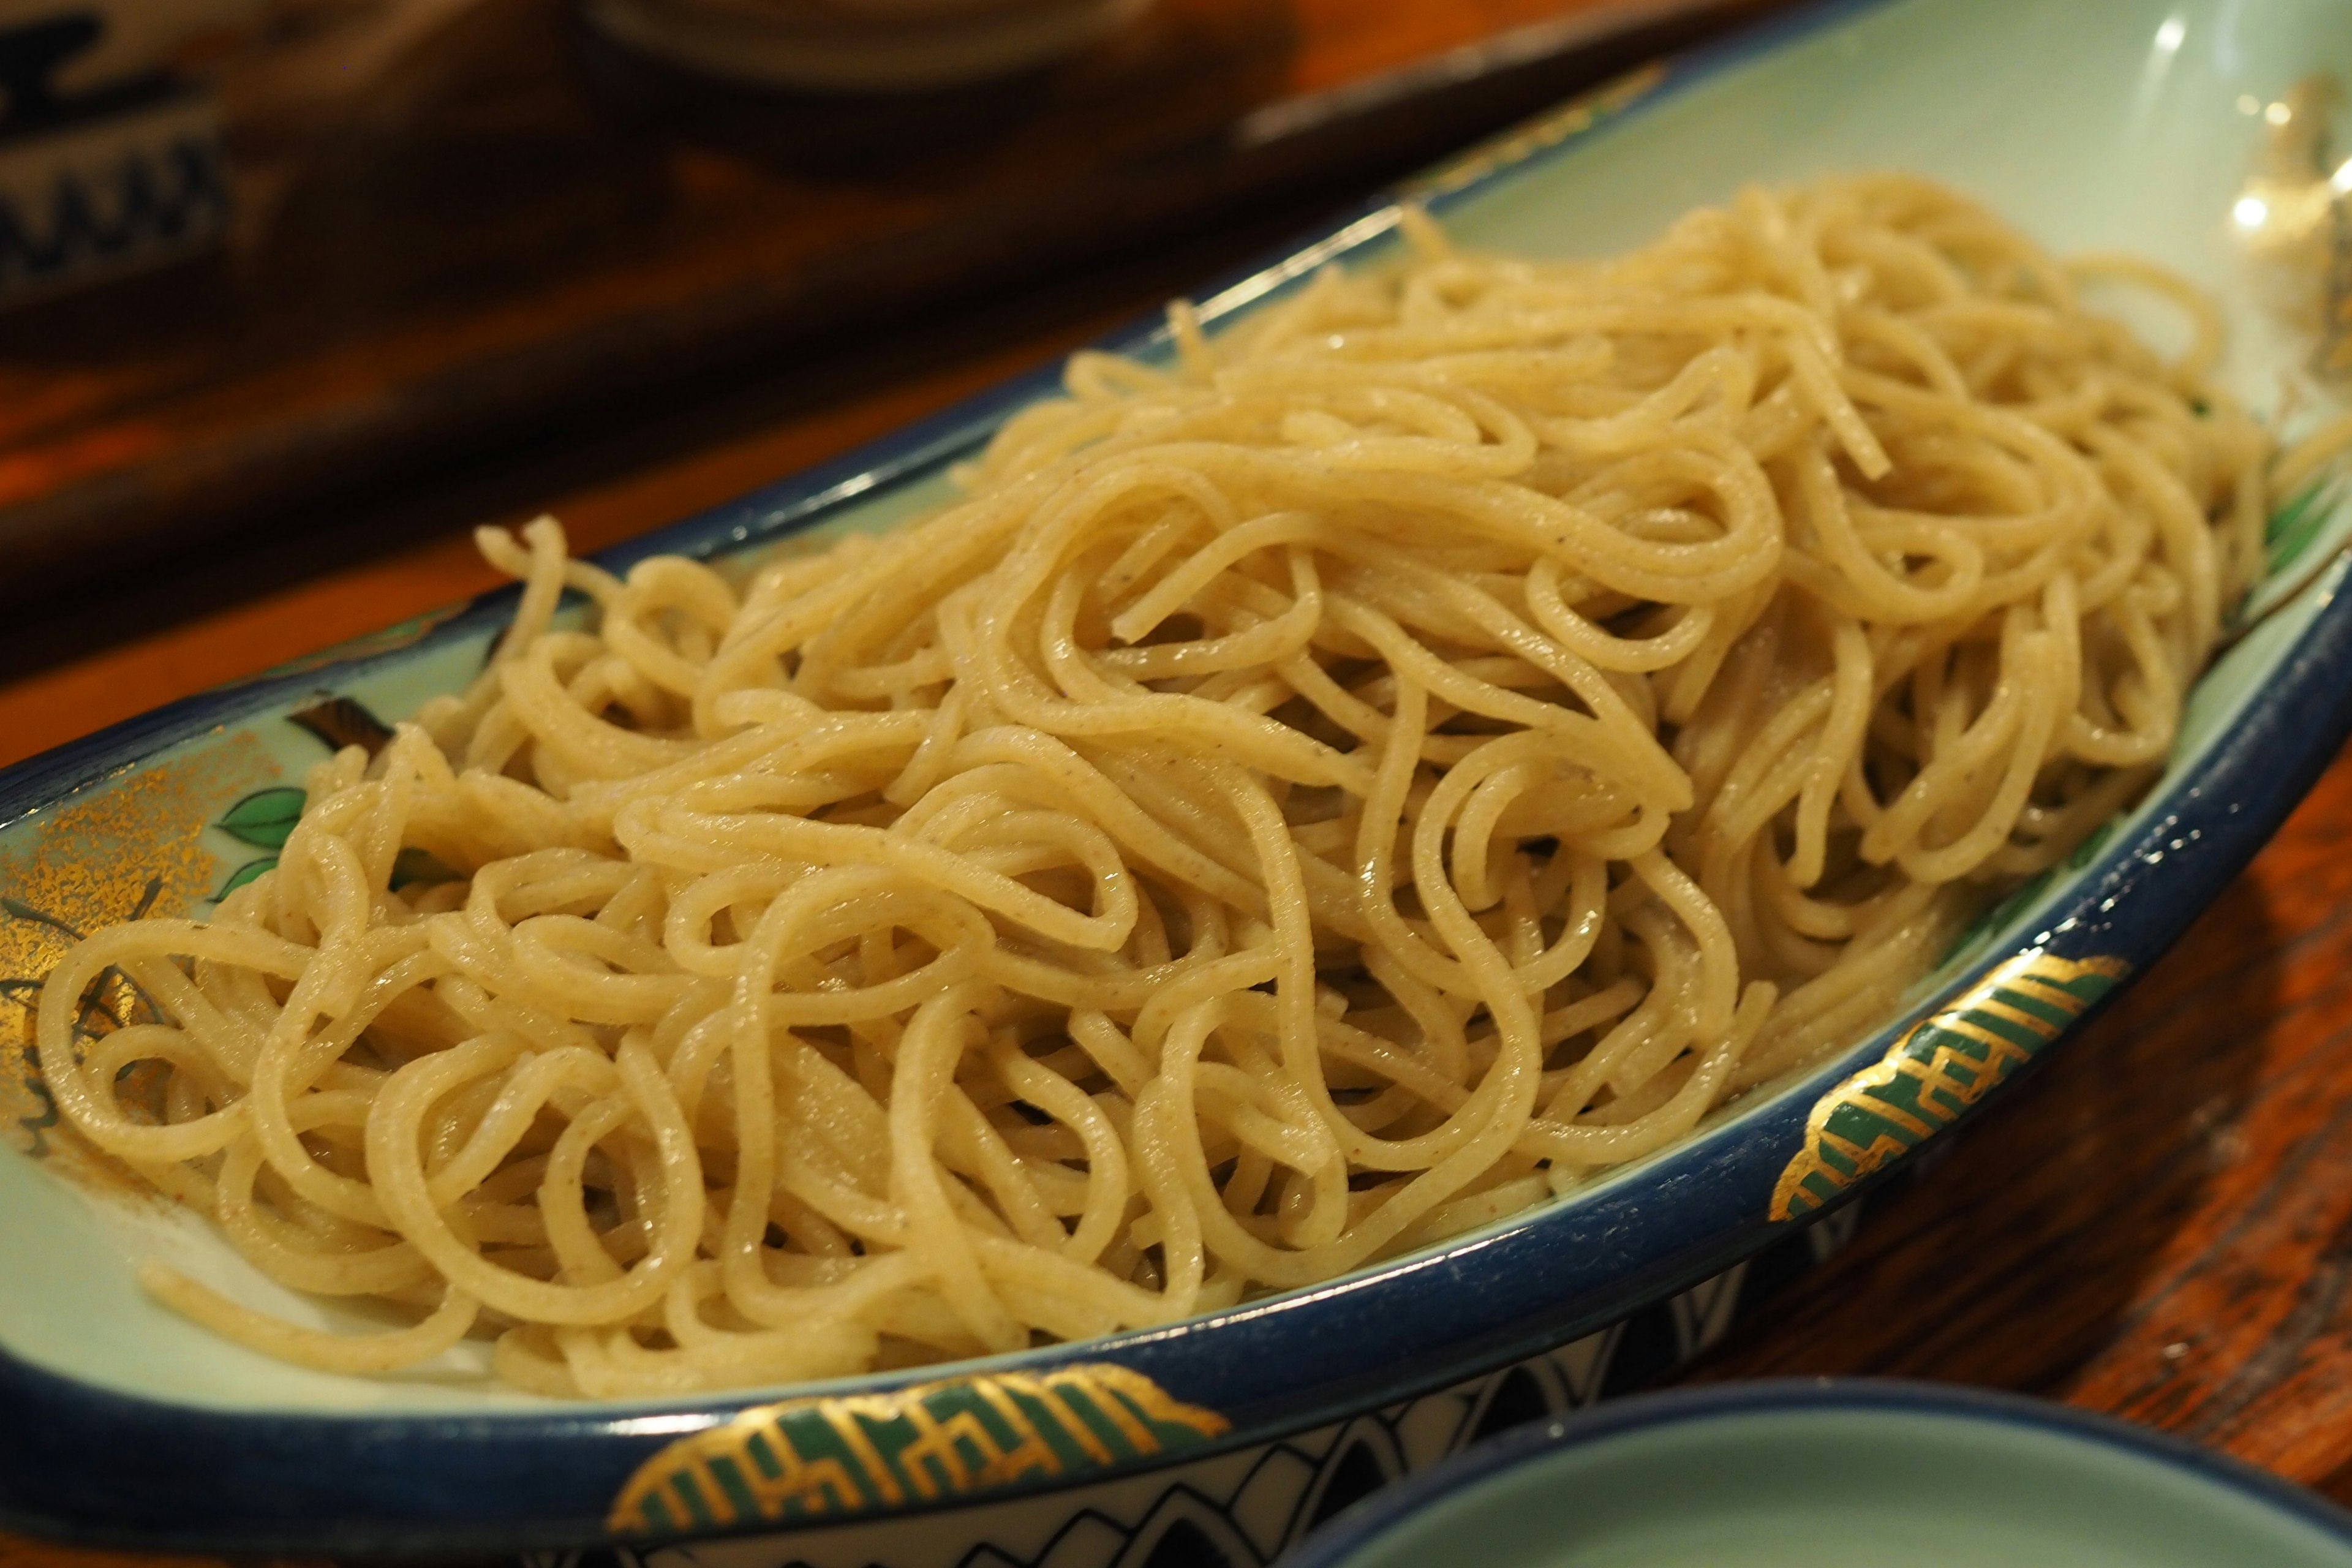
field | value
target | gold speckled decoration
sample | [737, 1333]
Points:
[1939, 1068]
[128, 840]
[830, 1456]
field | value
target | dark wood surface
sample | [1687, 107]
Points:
[520, 225]
[2158, 1224]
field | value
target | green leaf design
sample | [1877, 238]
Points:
[2297, 523]
[340, 721]
[2029, 889]
[2088, 850]
[244, 874]
[265, 817]
[412, 865]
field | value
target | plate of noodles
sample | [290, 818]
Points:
[1096, 979]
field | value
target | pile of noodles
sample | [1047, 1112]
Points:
[1402, 757]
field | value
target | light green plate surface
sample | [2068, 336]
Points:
[1852, 1488]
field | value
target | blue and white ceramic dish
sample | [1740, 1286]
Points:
[2129, 124]
[1823, 1474]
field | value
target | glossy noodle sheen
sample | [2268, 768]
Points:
[1428, 746]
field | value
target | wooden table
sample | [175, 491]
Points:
[511, 225]
[2159, 1226]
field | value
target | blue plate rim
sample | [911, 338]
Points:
[1359, 1526]
[2282, 740]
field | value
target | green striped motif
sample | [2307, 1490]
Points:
[1940, 1067]
[828, 1457]
[2294, 526]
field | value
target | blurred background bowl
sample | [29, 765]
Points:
[110, 154]
[860, 46]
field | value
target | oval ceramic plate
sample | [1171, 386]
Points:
[1813, 1475]
[2129, 124]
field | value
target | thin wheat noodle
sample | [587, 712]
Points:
[1410, 752]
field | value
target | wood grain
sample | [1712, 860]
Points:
[340, 569]
[523, 226]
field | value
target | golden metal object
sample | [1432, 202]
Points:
[2293, 218]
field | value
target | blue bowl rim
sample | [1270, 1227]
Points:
[364, 1483]
[1337, 1545]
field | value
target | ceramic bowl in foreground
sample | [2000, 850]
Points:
[1822, 1474]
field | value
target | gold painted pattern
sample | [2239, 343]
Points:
[831, 1456]
[1940, 1067]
